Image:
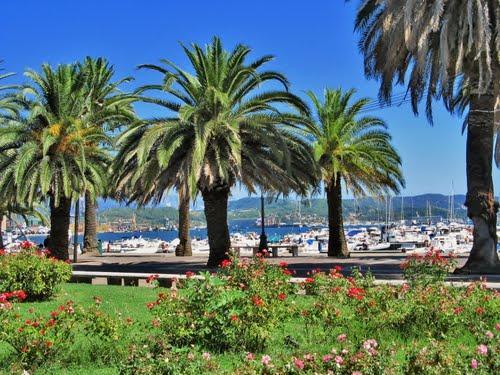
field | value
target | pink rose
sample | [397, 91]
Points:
[482, 349]
[206, 356]
[339, 360]
[250, 356]
[266, 360]
[298, 363]
[489, 334]
[473, 364]
[342, 337]
[327, 358]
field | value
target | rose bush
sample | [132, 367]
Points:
[32, 271]
[430, 268]
[235, 309]
[41, 339]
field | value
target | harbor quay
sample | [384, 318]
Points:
[383, 265]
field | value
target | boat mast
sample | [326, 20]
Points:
[452, 202]
[402, 210]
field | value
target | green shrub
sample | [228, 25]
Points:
[429, 268]
[235, 310]
[32, 271]
[43, 339]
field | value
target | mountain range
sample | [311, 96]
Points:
[363, 209]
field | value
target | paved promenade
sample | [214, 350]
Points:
[382, 265]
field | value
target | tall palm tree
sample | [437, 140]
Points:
[225, 127]
[50, 153]
[108, 108]
[450, 50]
[350, 149]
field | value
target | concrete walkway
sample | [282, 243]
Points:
[384, 266]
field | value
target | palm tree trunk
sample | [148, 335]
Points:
[59, 227]
[1, 234]
[480, 200]
[90, 233]
[218, 232]
[184, 247]
[337, 245]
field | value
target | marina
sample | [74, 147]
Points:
[448, 237]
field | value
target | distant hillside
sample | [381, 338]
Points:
[366, 209]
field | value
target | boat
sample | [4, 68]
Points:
[136, 245]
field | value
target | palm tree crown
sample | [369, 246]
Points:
[440, 45]
[357, 148]
[232, 131]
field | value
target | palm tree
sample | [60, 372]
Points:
[446, 49]
[9, 109]
[224, 128]
[351, 149]
[51, 153]
[148, 177]
[108, 108]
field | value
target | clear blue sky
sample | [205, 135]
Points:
[313, 41]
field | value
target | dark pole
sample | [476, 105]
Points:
[75, 239]
[263, 237]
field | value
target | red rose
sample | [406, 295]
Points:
[225, 263]
[189, 274]
[152, 278]
[356, 293]
[257, 301]
[283, 264]
[282, 296]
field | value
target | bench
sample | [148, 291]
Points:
[273, 249]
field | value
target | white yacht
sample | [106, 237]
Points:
[135, 245]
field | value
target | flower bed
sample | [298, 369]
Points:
[248, 319]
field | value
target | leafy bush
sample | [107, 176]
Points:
[236, 309]
[429, 268]
[32, 271]
[41, 339]
[412, 311]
